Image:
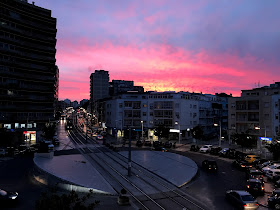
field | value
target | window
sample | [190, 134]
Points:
[120, 105]
[194, 115]
[266, 104]
[266, 116]
[276, 117]
[144, 113]
[194, 106]
[151, 114]
[190, 105]
[232, 105]
[232, 116]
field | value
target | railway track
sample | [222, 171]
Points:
[147, 189]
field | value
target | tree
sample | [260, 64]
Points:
[49, 130]
[52, 200]
[244, 139]
[162, 131]
[197, 132]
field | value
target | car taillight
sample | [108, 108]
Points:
[245, 205]
[262, 188]
[257, 204]
[242, 166]
[248, 186]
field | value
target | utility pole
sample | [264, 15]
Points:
[129, 154]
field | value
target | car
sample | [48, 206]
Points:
[251, 158]
[139, 143]
[242, 165]
[224, 152]
[210, 165]
[160, 148]
[99, 137]
[231, 153]
[273, 174]
[255, 186]
[241, 199]
[168, 144]
[147, 143]
[206, 148]
[157, 143]
[215, 150]
[255, 174]
[273, 201]
[270, 167]
[194, 148]
[2, 152]
[259, 162]
[8, 197]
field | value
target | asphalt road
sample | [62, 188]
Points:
[16, 175]
[210, 188]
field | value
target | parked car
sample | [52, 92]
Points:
[139, 143]
[215, 150]
[99, 137]
[241, 199]
[251, 158]
[270, 167]
[255, 187]
[168, 144]
[224, 152]
[157, 143]
[8, 197]
[210, 165]
[259, 162]
[159, 148]
[231, 153]
[147, 143]
[194, 148]
[242, 165]
[273, 174]
[264, 164]
[273, 201]
[2, 152]
[255, 174]
[205, 148]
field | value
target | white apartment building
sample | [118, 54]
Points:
[181, 111]
[256, 108]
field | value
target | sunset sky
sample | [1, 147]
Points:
[167, 45]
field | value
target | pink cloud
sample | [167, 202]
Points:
[156, 67]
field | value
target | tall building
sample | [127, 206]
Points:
[28, 71]
[99, 85]
[256, 112]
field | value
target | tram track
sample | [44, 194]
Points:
[166, 192]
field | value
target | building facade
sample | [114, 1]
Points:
[28, 71]
[99, 85]
[256, 112]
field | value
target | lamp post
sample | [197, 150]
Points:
[142, 129]
[260, 143]
[177, 123]
[220, 137]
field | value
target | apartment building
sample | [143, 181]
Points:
[148, 110]
[256, 111]
[28, 71]
[99, 85]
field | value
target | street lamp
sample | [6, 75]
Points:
[258, 128]
[177, 123]
[220, 137]
[142, 129]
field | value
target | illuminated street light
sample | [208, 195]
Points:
[220, 137]
[177, 123]
[142, 129]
